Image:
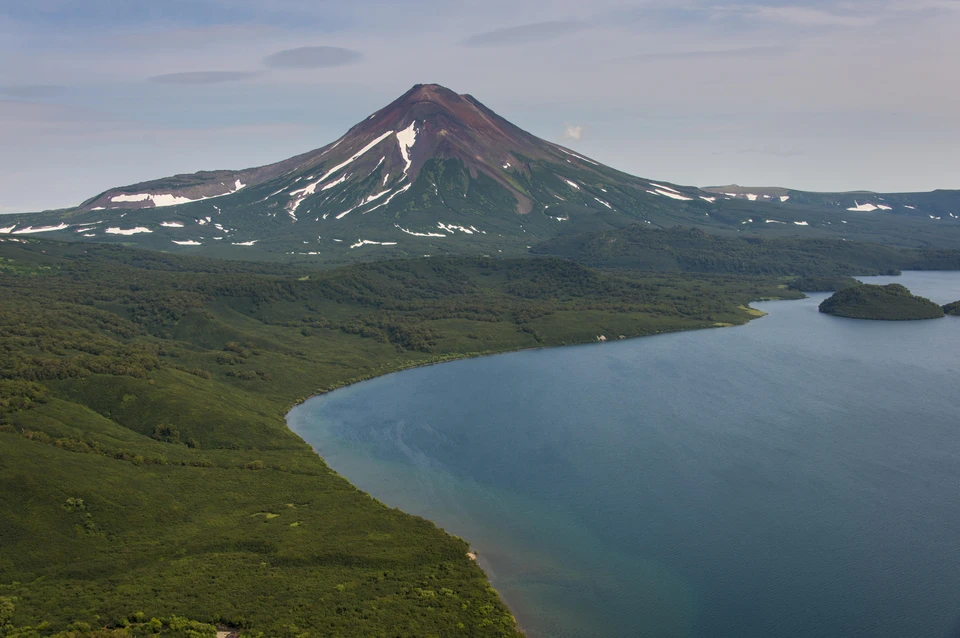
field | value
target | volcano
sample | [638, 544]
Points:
[438, 172]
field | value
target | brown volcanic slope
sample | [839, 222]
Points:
[435, 172]
[447, 126]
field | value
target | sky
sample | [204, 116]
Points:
[809, 94]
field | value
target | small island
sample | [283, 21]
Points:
[952, 309]
[892, 302]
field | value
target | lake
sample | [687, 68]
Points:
[797, 476]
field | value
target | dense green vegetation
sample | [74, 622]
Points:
[146, 470]
[821, 284]
[952, 309]
[892, 302]
[136, 626]
[693, 250]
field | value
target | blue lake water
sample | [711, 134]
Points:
[797, 476]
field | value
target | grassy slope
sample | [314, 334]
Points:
[145, 465]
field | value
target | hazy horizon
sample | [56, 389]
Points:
[813, 95]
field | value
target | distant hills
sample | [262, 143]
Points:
[682, 249]
[435, 172]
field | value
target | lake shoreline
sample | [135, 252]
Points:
[753, 313]
[526, 606]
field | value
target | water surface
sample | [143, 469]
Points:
[797, 476]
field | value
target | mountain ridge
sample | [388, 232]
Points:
[436, 172]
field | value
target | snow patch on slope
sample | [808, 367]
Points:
[347, 212]
[376, 197]
[410, 232]
[406, 139]
[377, 166]
[673, 195]
[163, 200]
[862, 208]
[389, 198]
[308, 190]
[662, 187]
[127, 231]
[450, 228]
[334, 183]
[371, 199]
[563, 150]
[133, 198]
[367, 242]
[354, 156]
[29, 230]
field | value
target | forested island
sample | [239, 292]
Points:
[952, 309]
[892, 302]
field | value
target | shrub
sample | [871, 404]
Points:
[166, 433]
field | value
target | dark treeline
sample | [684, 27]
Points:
[821, 284]
[682, 249]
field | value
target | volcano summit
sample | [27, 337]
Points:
[436, 172]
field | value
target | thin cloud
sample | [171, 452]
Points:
[31, 91]
[522, 34]
[767, 51]
[312, 58]
[202, 77]
[572, 132]
[805, 16]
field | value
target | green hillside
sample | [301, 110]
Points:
[146, 469]
[681, 249]
[821, 284]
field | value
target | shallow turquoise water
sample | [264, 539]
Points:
[798, 476]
